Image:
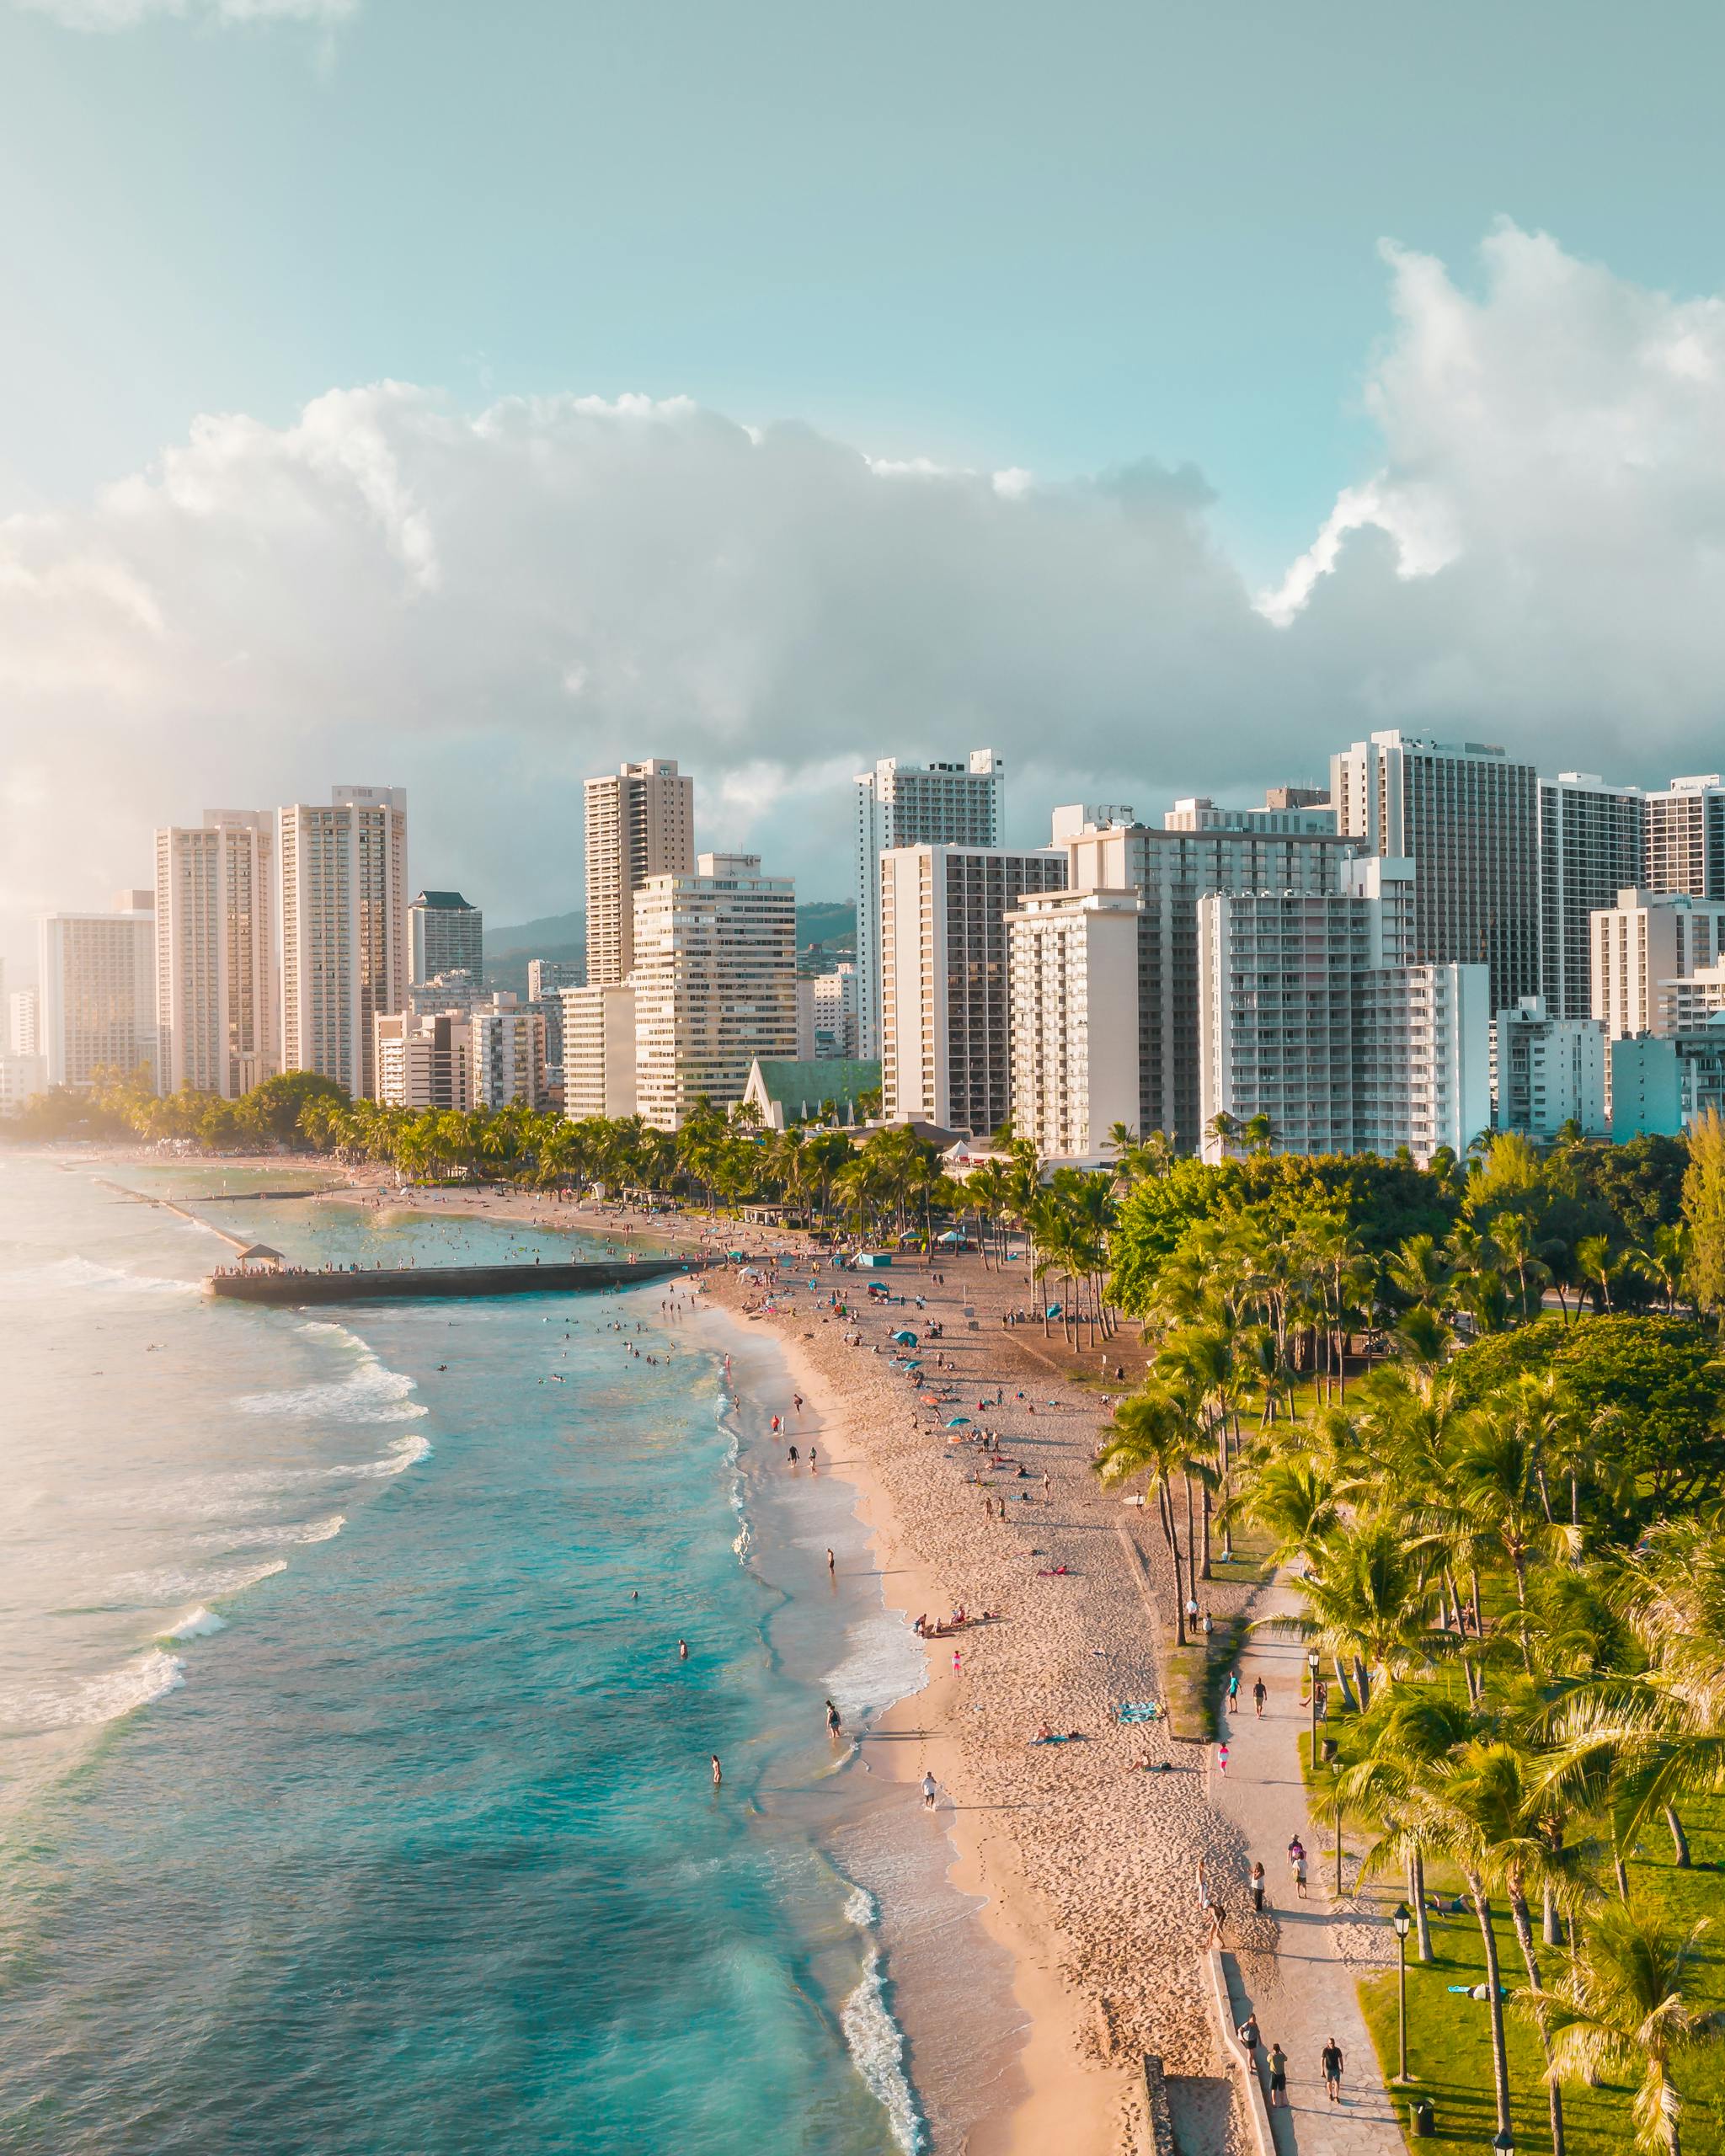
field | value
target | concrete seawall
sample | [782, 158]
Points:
[421, 1282]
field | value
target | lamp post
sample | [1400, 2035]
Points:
[1402, 1917]
[1311, 1663]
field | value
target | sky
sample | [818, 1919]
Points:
[464, 394]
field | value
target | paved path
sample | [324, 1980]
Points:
[1310, 1995]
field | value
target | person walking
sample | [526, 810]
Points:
[1279, 2078]
[1257, 1887]
[1222, 1758]
[1233, 1689]
[1300, 1875]
[1330, 2058]
[1260, 1693]
[929, 1790]
[1250, 2039]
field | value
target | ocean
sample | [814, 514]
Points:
[355, 1799]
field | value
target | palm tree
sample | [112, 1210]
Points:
[1150, 1435]
[1595, 1263]
[1367, 1603]
[1624, 2006]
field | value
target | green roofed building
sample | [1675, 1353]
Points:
[782, 1093]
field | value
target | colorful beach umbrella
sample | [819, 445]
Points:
[959, 1423]
[906, 1339]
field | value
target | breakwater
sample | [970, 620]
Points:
[379, 1284]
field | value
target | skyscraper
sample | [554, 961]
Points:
[1591, 841]
[24, 1028]
[1685, 838]
[445, 935]
[343, 929]
[216, 987]
[98, 988]
[715, 981]
[913, 804]
[945, 1045]
[640, 823]
[1073, 957]
[1171, 869]
[1467, 817]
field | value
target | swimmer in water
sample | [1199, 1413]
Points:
[682, 1650]
[717, 1771]
[792, 1455]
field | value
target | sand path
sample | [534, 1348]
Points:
[1303, 1987]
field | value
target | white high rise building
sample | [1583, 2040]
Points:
[422, 1060]
[640, 823]
[1467, 817]
[1173, 869]
[217, 989]
[1685, 838]
[946, 1044]
[24, 1021]
[1074, 965]
[1313, 1017]
[900, 803]
[1550, 1071]
[445, 935]
[599, 1051]
[836, 1010]
[715, 982]
[1592, 838]
[344, 871]
[97, 980]
[1648, 939]
[506, 1054]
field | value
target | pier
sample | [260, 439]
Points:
[268, 1284]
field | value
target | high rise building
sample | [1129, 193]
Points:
[460, 991]
[1074, 968]
[1107, 850]
[946, 1046]
[900, 803]
[1314, 1019]
[640, 823]
[1467, 817]
[1648, 939]
[422, 1060]
[715, 981]
[1591, 837]
[598, 1051]
[837, 1009]
[344, 873]
[547, 977]
[216, 986]
[22, 1077]
[24, 1021]
[1685, 838]
[1550, 1071]
[506, 1054]
[445, 935]
[97, 978]
[1302, 809]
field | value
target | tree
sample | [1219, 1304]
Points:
[1704, 1213]
[1152, 1436]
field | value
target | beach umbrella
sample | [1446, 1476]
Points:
[959, 1423]
[913, 1366]
[906, 1339]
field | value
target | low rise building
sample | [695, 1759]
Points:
[1550, 1071]
[1644, 942]
[826, 1090]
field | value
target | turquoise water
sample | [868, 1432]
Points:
[356, 1799]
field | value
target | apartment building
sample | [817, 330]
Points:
[598, 1051]
[1685, 838]
[1467, 816]
[343, 929]
[1074, 968]
[506, 1054]
[1314, 1017]
[1591, 837]
[24, 1031]
[898, 804]
[837, 1008]
[97, 984]
[1647, 939]
[1549, 1071]
[640, 823]
[1106, 849]
[421, 1060]
[946, 1048]
[445, 935]
[715, 982]
[217, 989]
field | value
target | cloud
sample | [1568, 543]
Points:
[127, 14]
[487, 606]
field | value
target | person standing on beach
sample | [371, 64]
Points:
[1300, 1875]
[1257, 1887]
[1279, 2078]
[957, 1663]
[834, 1727]
[1330, 2058]
[1260, 1693]
[930, 1790]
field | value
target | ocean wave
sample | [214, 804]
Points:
[886, 1663]
[876, 2048]
[198, 1625]
[373, 1394]
[62, 1273]
[311, 1530]
[175, 1584]
[94, 1700]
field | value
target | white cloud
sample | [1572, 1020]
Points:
[486, 608]
[127, 14]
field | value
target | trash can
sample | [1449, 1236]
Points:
[1423, 2119]
[1332, 1750]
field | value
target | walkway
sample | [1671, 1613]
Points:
[1261, 1795]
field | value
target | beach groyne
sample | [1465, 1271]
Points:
[379, 1284]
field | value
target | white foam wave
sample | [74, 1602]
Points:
[198, 1625]
[63, 1272]
[94, 1700]
[886, 1663]
[862, 1908]
[877, 2046]
[373, 1394]
[311, 1530]
[205, 1586]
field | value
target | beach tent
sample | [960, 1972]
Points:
[959, 1423]
[906, 1339]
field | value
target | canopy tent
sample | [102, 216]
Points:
[260, 1254]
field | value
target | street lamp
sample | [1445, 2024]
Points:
[1401, 1917]
[1311, 1663]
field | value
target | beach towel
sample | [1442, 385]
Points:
[1067, 1737]
[1138, 1711]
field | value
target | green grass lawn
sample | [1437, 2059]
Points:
[1449, 2038]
